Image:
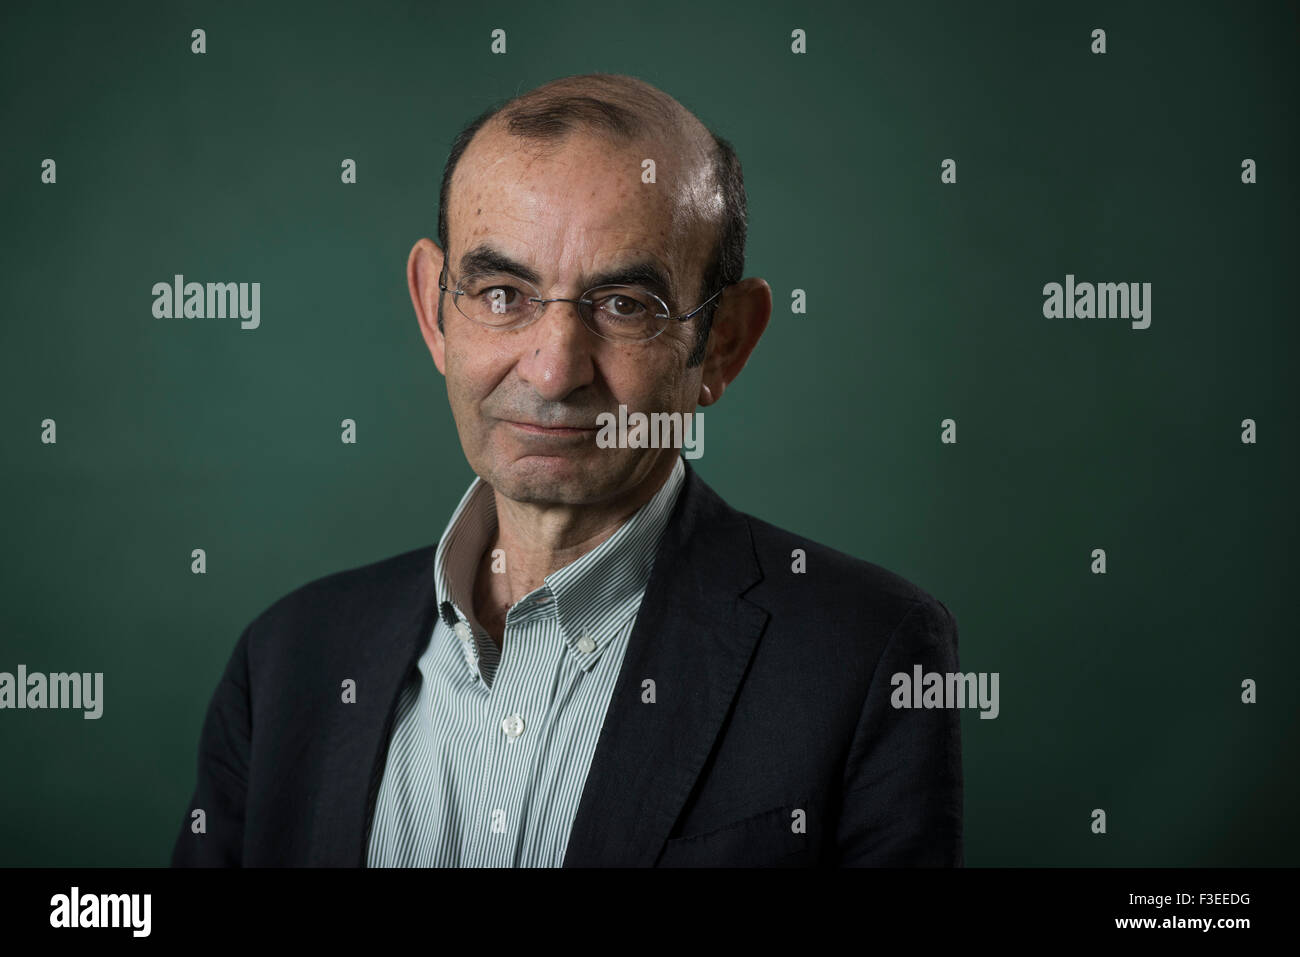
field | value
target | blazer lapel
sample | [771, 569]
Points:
[343, 809]
[693, 637]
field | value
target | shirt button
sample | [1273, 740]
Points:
[586, 645]
[513, 726]
[462, 631]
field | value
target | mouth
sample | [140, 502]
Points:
[557, 431]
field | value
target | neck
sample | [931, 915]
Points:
[540, 539]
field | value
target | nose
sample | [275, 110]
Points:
[556, 356]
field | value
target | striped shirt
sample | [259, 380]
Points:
[490, 750]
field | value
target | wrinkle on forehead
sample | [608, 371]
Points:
[691, 206]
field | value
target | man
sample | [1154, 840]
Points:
[600, 663]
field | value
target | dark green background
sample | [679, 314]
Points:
[1118, 691]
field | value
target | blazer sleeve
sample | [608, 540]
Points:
[222, 788]
[902, 800]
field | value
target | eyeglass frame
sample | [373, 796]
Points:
[578, 302]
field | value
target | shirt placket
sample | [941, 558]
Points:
[513, 722]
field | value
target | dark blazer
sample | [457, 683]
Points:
[772, 697]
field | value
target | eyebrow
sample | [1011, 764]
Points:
[484, 260]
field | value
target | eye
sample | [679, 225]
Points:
[622, 306]
[499, 299]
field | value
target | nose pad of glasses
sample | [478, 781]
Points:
[583, 314]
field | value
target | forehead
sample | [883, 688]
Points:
[578, 201]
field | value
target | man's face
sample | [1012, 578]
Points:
[569, 214]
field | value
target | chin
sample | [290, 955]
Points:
[543, 481]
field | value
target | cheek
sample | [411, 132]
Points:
[657, 387]
[461, 397]
[478, 381]
[671, 372]
[467, 373]
[653, 376]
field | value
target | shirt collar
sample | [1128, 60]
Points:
[592, 597]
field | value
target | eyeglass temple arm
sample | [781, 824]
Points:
[699, 307]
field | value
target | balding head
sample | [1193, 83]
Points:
[698, 177]
[631, 112]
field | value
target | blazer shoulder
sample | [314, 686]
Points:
[377, 596]
[828, 576]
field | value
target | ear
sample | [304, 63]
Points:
[423, 267]
[740, 320]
